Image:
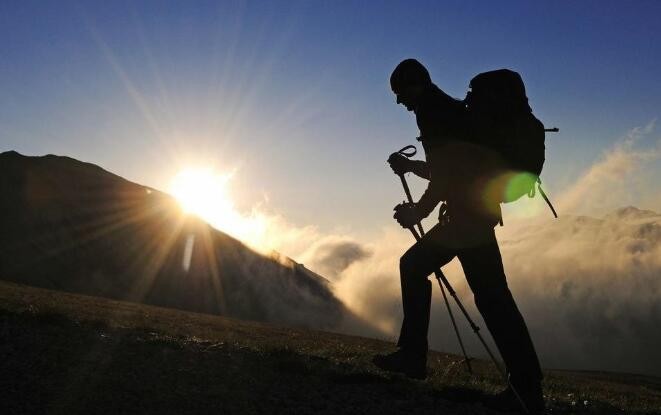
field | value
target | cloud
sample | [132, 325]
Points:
[332, 255]
[615, 180]
[591, 289]
[370, 287]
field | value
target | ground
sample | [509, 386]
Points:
[66, 353]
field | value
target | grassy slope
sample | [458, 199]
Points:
[64, 353]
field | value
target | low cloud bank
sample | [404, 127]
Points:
[331, 256]
[589, 289]
[367, 284]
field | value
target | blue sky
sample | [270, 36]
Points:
[295, 95]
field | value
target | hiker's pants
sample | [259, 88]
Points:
[477, 249]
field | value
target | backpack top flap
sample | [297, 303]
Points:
[498, 92]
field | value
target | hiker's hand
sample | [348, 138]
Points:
[406, 214]
[399, 163]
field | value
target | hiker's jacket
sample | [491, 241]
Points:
[459, 168]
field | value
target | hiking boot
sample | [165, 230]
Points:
[506, 400]
[413, 365]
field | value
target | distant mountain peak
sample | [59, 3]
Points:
[73, 226]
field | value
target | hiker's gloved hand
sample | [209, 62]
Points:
[406, 214]
[399, 163]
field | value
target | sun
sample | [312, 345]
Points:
[206, 193]
[201, 191]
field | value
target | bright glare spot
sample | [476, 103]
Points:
[205, 193]
[200, 191]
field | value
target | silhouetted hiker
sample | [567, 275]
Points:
[457, 168]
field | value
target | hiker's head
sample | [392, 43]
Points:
[408, 81]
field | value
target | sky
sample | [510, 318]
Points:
[289, 102]
[293, 97]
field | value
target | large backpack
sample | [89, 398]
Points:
[502, 119]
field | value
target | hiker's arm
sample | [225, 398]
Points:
[429, 199]
[408, 214]
[400, 165]
[420, 168]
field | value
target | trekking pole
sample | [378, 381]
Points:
[409, 151]
[441, 278]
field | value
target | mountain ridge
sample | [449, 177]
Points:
[73, 226]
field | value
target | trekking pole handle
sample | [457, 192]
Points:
[408, 151]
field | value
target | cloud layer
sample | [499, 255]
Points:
[590, 289]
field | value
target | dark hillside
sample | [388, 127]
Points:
[72, 226]
[67, 353]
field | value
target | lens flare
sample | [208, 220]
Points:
[511, 186]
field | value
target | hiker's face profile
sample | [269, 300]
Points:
[409, 96]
